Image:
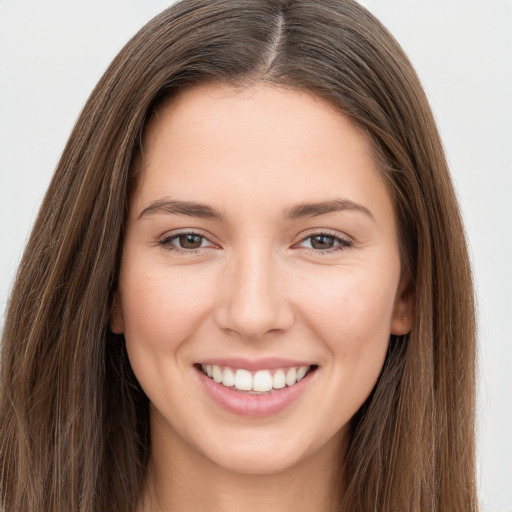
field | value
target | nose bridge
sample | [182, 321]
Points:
[255, 303]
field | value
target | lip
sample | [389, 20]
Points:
[266, 363]
[253, 406]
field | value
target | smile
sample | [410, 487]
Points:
[246, 388]
[255, 382]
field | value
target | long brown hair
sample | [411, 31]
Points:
[74, 422]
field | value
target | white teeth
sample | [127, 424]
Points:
[301, 372]
[261, 382]
[243, 380]
[279, 380]
[228, 378]
[217, 374]
[291, 377]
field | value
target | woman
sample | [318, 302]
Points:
[248, 285]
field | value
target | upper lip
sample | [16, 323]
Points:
[265, 363]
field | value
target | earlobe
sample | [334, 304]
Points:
[116, 319]
[403, 312]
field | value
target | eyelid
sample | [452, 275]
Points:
[165, 240]
[324, 231]
[344, 242]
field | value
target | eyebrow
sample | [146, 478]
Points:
[321, 208]
[188, 208]
[297, 211]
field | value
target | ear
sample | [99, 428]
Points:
[403, 312]
[116, 318]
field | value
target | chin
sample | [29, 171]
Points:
[264, 452]
[256, 462]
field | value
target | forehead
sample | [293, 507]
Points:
[259, 106]
[212, 141]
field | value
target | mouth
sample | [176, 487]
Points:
[256, 388]
[256, 382]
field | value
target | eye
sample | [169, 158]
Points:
[190, 243]
[325, 243]
[186, 242]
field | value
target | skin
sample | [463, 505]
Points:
[256, 286]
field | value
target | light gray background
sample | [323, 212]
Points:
[53, 52]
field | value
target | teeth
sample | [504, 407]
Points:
[279, 380]
[217, 374]
[243, 380]
[301, 372]
[228, 378]
[262, 381]
[291, 377]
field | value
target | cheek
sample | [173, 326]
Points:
[353, 323]
[352, 314]
[167, 301]
[161, 311]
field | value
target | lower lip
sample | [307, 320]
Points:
[253, 406]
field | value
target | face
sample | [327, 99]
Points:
[261, 244]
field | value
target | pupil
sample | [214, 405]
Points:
[190, 241]
[322, 242]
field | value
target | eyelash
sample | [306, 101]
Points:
[344, 243]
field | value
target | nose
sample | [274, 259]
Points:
[253, 302]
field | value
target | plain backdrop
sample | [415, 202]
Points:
[53, 52]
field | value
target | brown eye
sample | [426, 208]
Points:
[190, 241]
[325, 243]
[185, 242]
[322, 242]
